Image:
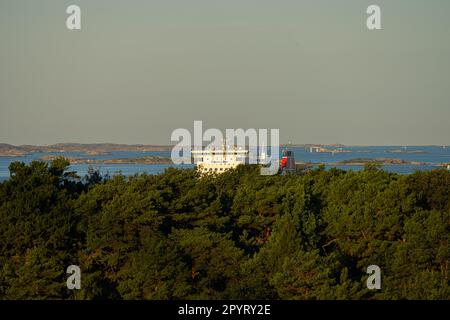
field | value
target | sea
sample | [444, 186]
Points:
[430, 156]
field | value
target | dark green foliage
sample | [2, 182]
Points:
[239, 235]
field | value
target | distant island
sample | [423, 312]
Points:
[7, 150]
[406, 151]
[382, 161]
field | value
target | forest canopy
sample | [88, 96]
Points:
[238, 235]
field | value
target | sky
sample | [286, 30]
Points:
[137, 70]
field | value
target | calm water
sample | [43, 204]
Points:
[432, 155]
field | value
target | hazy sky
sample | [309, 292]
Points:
[140, 69]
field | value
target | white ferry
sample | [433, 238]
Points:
[220, 159]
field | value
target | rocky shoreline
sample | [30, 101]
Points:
[7, 150]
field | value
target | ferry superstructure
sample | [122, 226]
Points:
[219, 159]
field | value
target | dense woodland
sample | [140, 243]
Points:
[239, 235]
